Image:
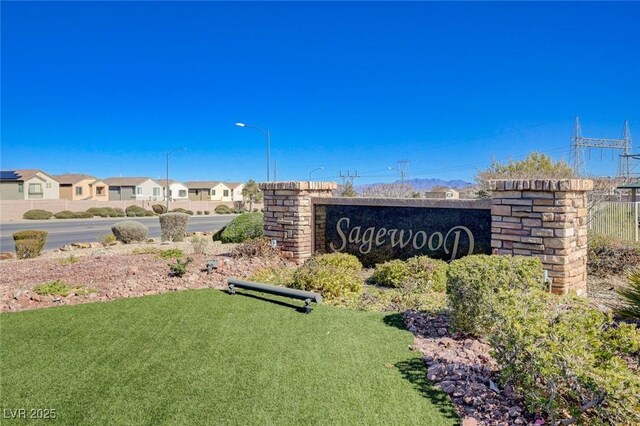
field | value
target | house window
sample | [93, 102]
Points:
[156, 191]
[78, 190]
[225, 193]
[48, 185]
[35, 190]
[213, 192]
[99, 190]
[21, 188]
[182, 193]
[138, 190]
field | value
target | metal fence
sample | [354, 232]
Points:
[615, 219]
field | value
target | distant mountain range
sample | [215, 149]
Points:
[427, 184]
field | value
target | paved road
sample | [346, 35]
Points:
[68, 231]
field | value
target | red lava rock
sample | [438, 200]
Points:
[469, 421]
[6, 255]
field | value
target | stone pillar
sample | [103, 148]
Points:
[546, 219]
[288, 214]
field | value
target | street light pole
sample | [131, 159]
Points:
[315, 170]
[267, 133]
[166, 187]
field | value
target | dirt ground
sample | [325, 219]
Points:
[115, 272]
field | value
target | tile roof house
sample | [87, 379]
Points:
[28, 184]
[82, 187]
[177, 191]
[204, 190]
[133, 188]
[236, 190]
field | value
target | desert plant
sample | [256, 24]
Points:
[333, 275]
[474, 281]
[98, 211]
[251, 193]
[159, 208]
[630, 297]
[281, 276]
[67, 214]
[129, 231]
[37, 214]
[146, 250]
[59, 288]
[179, 268]
[199, 212]
[207, 212]
[173, 226]
[29, 243]
[222, 209]
[566, 358]
[135, 209]
[69, 260]
[417, 273]
[171, 253]
[106, 239]
[257, 247]
[199, 244]
[242, 228]
[116, 212]
[217, 234]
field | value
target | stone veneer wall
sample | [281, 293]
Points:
[288, 214]
[546, 219]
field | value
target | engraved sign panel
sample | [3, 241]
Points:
[378, 233]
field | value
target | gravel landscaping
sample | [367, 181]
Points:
[115, 272]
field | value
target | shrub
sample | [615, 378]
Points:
[37, 214]
[258, 247]
[159, 208]
[199, 212]
[59, 288]
[135, 209]
[333, 275]
[199, 245]
[69, 260]
[222, 209]
[116, 212]
[609, 256]
[173, 226]
[98, 211]
[277, 276]
[67, 214]
[84, 215]
[217, 234]
[207, 212]
[566, 358]
[106, 239]
[171, 253]
[416, 273]
[129, 231]
[244, 227]
[29, 244]
[392, 300]
[474, 281]
[189, 212]
[131, 214]
[179, 268]
[631, 297]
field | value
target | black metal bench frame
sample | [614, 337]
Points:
[307, 296]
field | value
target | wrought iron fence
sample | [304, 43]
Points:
[616, 219]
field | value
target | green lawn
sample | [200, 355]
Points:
[205, 357]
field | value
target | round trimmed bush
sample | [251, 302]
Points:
[67, 214]
[244, 227]
[474, 284]
[332, 275]
[173, 226]
[29, 243]
[84, 215]
[135, 209]
[129, 231]
[98, 211]
[37, 214]
[159, 208]
[418, 273]
[222, 209]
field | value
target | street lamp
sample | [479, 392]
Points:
[166, 188]
[268, 135]
[315, 170]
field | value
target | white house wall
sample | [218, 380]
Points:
[147, 191]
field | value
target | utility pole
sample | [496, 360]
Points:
[275, 170]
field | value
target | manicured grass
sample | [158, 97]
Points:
[205, 357]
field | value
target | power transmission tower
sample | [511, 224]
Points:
[403, 170]
[348, 177]
[578, 143]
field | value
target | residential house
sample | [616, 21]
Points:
[134, 188]
[236, 190]
[206, 190]
[82, 187]
[444, 193]
[28, 184]
[177, 191]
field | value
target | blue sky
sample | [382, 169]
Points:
[108, 88]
